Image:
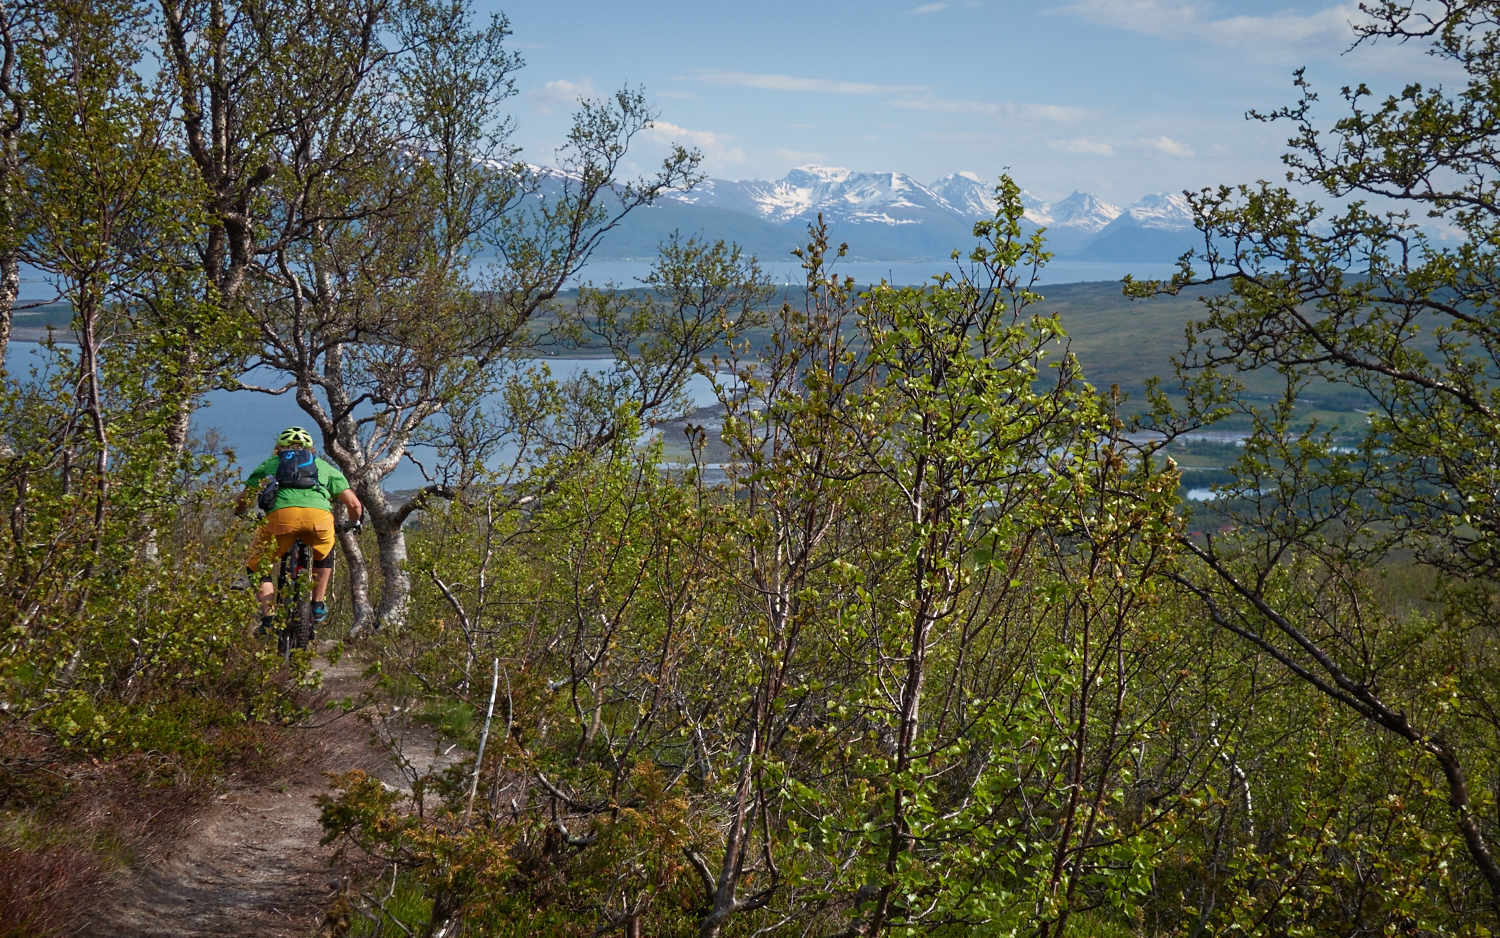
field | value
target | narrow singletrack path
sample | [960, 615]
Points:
[251, 864]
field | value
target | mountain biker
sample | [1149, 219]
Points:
[305, 487]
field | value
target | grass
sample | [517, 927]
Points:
[407, 904]
[453, 719]
[40, 889]
[1119, 340]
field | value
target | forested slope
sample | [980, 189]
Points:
[916, 638]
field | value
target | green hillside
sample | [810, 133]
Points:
[1126, 342]
[1119, 340]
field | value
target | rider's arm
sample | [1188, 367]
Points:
[351, 504]
[252, 485]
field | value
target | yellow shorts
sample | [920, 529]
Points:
[285, 526]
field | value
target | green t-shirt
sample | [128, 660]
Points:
[330, 483]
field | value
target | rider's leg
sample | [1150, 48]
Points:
[272, 540]
[321, 578]
[262, 549]
[322, 574]
[269, 543]
[322, 571]
[265, 594]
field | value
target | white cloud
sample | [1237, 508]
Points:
[797, 157]
[1082, 146]
[911, 97]
[792, 83]
[1328, 30]
[969, 140]
[930, 8]
[560, 93]
[683, 95]
[1003, 109]
[1169, 146]
[715, 146]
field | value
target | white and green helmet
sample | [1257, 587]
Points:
[293, 437]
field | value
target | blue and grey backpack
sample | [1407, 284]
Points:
[295, 469]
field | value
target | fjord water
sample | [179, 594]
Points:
[790, 273]
[246, 423]
[898, 273]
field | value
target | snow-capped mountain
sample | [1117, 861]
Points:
[1158, 226]
[898, 199]
[1081, 210]
[839, 194]
[892, 216]
[974, 197]
[967, 193]
[1165, 210]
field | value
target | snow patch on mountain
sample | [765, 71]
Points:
[967, 193]
[1168, 210]
[972, 196]
[1084, 211]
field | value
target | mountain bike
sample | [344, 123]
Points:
[294, 594]
[294, 599]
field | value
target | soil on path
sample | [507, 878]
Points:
[251, 864]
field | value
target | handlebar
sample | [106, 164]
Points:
[354, 525]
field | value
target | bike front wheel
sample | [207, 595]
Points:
[298, 631]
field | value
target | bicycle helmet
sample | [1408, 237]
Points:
[293, 437]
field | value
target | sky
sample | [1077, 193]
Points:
[1117, 97]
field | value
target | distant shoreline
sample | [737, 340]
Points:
[40, 334]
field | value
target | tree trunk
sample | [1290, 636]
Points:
[359, 582]
[390, 540]
[12, 122]
[341, 444]
[180, 397]
[396, 583]
[10, 288]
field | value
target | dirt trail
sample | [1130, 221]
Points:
[252, 864]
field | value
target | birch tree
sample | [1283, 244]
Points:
[1366, 300]
[383, 201]
[16, 27]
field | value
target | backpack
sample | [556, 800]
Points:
[296, 469]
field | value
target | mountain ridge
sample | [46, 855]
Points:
[893, 216]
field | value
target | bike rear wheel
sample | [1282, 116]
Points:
[295, 600]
